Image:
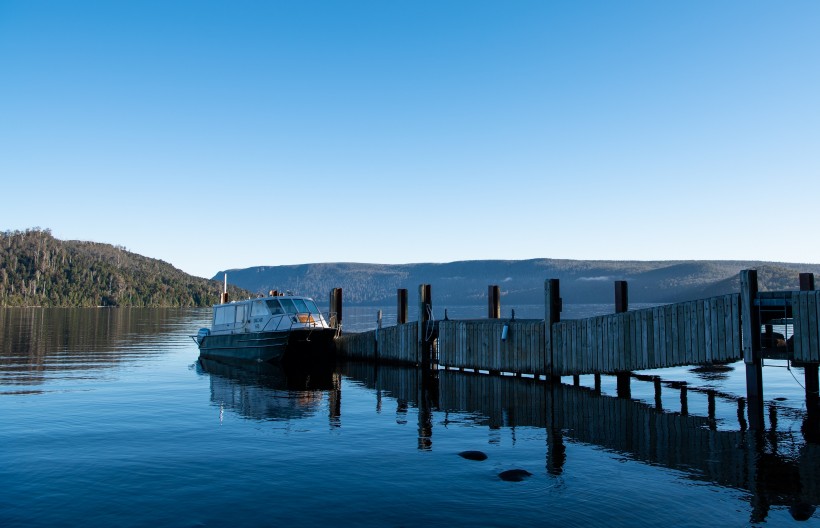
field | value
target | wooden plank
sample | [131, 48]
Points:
[805, 327]
[736, 326]
[670, 335]
[599, 324]
[652, 337]
[642, 321]
[622, 343]
[687, 334]
[707, 330]
[673, 360]
[701, 332]
[713, 319]
[661, 322]
[721, 330]
[637, 357]
[681, 359]
[814, 326]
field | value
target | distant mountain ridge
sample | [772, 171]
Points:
[520, 281]
[37, 269]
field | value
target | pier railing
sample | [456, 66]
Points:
[690, 333]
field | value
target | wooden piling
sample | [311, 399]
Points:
[656, 381]
[401, 306]
[810, 370]
[622, 306]
[336, 307]
[493, 302]
[552, 315]
[424, 357]
[750, 323]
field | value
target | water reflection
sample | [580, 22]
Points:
[271, 392]
[42, 344]
[777, 467]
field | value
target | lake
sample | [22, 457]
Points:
[109, 419]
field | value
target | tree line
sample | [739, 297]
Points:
[37, 269]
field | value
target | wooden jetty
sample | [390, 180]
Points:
[715, 330]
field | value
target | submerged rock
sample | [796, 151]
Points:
[802, 511]
[473, 455]
[514, 475]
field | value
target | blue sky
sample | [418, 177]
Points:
[218, 135]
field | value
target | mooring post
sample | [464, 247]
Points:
[423, 356]
[810, 370]
[552, 315]
[401, 308]
[750, 326]
[336, 307]
[621, 306]
[493, 302]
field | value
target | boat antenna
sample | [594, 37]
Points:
[225, 291]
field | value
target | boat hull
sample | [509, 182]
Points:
[301, 346]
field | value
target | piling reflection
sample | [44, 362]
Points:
[272, 392]
[777, 467]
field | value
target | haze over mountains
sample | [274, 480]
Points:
[520, 281]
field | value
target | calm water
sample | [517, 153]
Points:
[110, 420]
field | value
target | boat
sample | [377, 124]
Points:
[272, 329]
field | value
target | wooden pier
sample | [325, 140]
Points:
[716, 330]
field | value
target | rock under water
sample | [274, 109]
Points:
[514, 475]
[473, 455]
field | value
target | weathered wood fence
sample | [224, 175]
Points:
[697, 332]
[691, 333]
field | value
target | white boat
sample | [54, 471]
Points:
[276, 328]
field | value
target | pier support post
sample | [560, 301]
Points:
[750, 326]
[493, 302]
[658, 388]
[336, 307]
[401, 306]
[552, 315]
[810, 369]
[424, 355]
[621, 306]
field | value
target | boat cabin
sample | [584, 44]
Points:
[267, 314]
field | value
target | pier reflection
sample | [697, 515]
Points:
[777, 467]
[272, 392]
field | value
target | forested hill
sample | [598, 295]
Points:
[521, 282]
[36, 269]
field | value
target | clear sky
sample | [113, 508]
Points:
[217, 135]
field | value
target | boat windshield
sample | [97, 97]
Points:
[300, 305]
[274, 307]
[288, 305]
[312, 308]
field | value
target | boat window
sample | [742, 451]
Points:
[288, 305]
[259, 308]
[275, 307]
[224, 315]
[312, 308]
[300, 305]
[240, 313]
